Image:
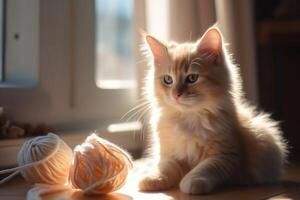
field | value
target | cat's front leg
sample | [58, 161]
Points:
[208, 174]
[168, 174]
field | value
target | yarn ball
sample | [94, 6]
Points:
[45, 159]
[99, 166]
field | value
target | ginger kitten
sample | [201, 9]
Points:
[205, 134]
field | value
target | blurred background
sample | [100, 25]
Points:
[73, 66]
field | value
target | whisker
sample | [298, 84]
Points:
[137, 112]
[197, 59]
[195, 63]
[142, 120]
[144, 112]
[133, 109]
[133, 113]
[145, 128]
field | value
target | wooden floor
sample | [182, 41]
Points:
[288, 189]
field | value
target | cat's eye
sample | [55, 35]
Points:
[192, 78]
[168, 80]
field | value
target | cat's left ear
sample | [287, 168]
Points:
[210, 46]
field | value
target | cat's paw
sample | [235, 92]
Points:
[154, 183]
[196, 185]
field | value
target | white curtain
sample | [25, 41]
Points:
[235, 19]
[179, 20]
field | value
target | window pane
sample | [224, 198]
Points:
[114, 44]
[21, 68]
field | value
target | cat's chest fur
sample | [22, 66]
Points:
[187, 139]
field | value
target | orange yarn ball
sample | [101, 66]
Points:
[99, 166]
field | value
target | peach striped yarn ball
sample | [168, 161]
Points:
[99, 166]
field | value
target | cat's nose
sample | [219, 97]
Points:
[177, 95]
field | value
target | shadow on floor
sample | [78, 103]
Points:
[283, 190]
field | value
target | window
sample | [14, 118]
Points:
[114, 44]
[19, 42]
[62, 56]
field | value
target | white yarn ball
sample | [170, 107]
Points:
[45, 159]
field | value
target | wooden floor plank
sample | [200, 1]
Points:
[288, 189]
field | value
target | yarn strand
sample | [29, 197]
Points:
[9, 177]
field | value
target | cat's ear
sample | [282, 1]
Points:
[158, 50]
[210, 45]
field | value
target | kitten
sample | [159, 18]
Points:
[206, 134]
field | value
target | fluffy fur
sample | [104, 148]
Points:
[205, 134]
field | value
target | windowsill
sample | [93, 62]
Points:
[18, 85]
[116, 84]
[128, 139]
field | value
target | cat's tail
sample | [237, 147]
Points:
[266, 150]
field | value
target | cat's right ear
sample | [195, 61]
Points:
[211, 45]
[158, 50]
